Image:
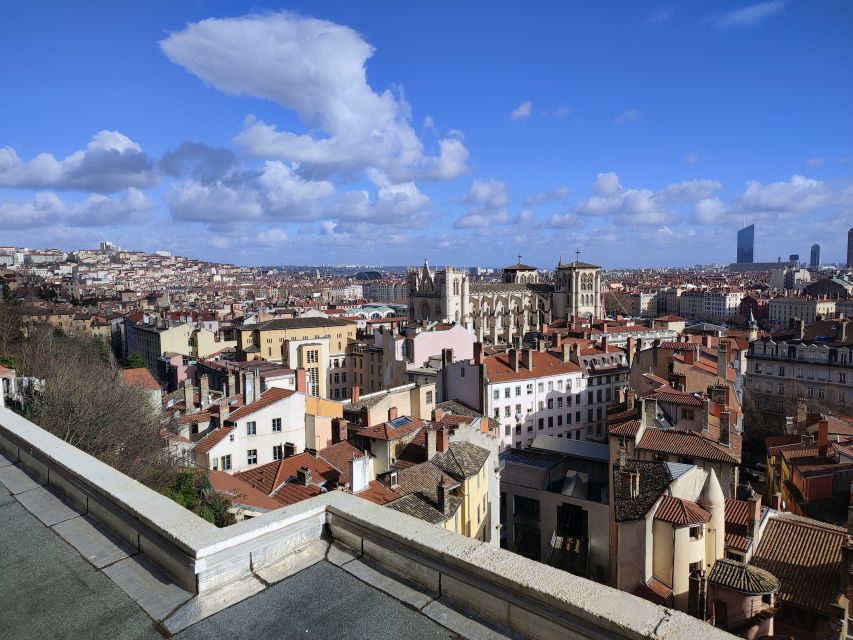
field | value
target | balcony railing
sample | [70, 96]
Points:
[215, 564]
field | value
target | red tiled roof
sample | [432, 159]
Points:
[686, 443]
[377, 493]
[292, 492]
[385, 431]
[655, 591]
[269, 476]
[545, 363]
[140, 377]
[679, 511]
[269, 397]
[212, 439]
[339, 455]
[190, 418]
[629, 428]
[676, 397]
[806, 556]
[240, 492]
[738, 516]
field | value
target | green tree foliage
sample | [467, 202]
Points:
[135, 361]
[191, 489]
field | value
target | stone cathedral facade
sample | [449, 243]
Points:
[496, 312]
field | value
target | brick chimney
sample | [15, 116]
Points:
[230, 384]
[722, 359]
[724, 428]
[630, 347]
[430, 443]
[256, 385]
[478, 353]
[755, 518]
[630, 398]
[188, 396]
[527, 359]
[303, 476]
[822, 437]
[513, 359]
[604, 344]
[392, 413]
[339, 430]
[203, 390]
[689, 355]
[356, 393]
[558, 340]
[224, 410]
[442, 440]
[650, 412]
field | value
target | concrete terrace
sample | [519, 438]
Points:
[87, 552]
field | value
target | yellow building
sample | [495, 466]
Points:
[154, 340]
[317, 345]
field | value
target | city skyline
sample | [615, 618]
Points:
[376, 145]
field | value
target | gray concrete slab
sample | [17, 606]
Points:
[5, 461]
[213, 603]
[47, 506]
[16, 480]
[339, 555]
[320, 602]
[391, 585]
[148, 586]
[461, 624]
[95, 543]
[294, 562]
[48, 591]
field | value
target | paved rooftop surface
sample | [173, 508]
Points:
[49, 590]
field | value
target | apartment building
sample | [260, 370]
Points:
[813, 361]
[317, 345]
[154, 339]
[782, 311]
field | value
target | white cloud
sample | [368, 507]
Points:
[629, 116]
[749, 16]
[708, 211]
[522, 111]
[402, 204]
[46, 209]
[554, 195]
[482, 218]
[526, 216]
[691, 158]
[607, 183]
[689, 191]
[316, 68]
[563, 221]
[638, 206]
[815, 162]
[797, 195]
[491, 193]
[111, 162]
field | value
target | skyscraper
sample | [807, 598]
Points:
[745, 243]
[815, 257]
[850, 249]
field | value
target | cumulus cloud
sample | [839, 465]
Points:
[316, 68]
[708, 211]
[203, 163]
[47, 209]
[488, 199]
[640, 206]
[399, 203]
[563, 221]
[796, 195]
[815, 162]
[554, 195]
[522, 111]
[749, 16]
[689, 191]
[559, 112]
[629, 116]
[111, 162]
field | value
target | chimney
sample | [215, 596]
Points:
[513, 359]
[802, 414]
[303, 476]
[392, 413]
[724, 428]
[706, 412]
[575, 354]
[689, 355]
[356, 393]
[755, 518]
[289, 449]
[841, 335]
[203, 390]
[478, 353]
[442, 492]
[438, 414]
[632, 478]
[567, 351]
[527, 358]
[430, 442]
[650, 412]
[822, 434]
[224, 410]
[230, 384]
[630, 346]
[188, 396]
[722, 359]
[246, 385]
[256, 385]
[301, 381]
[541, 345]
[604, 344]
[558, 340]
[800, 328]
[339, 430]
[630, 398]
[620, 395]
[776, 501]
[442, 437]
[446, 357]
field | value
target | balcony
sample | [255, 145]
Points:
[334, 565]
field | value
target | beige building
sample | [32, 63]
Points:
[781, 311]
[156, 339]
[317, 345]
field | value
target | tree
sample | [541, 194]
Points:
[191, 489]
[135, 361]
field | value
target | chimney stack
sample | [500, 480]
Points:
[256, 384]
[604, 344]
[224, 410]
[724, 428]
[802, 415]
[513, 359]
[630, 398]
[650, 412]
[339, 430]
[527, 358]
[230, 385]
[478, 353]
[755, 519]
[303, 476]
[203, 390]
[558, 340]
[189, 402]
[430, 442]
[567, 351]
[689, 355]
[575, 353]
[442, 493]
[822, 435]
[356, 393]
[630, 347]
[442, 437]
[722, 359]
[392, 413]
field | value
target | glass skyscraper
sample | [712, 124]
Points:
[746, 244]
[815, 257]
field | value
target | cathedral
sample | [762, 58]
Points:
[497, 312]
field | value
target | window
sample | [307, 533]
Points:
[541, 405]
[507, 411]
[820, 394]
[560, 420]
[598, 396]
[507, 430]
[695, 533]
[550, 403]
[250, 428]
[550, 386]
[496, 394]
[252, 456]
[540, 387]
[497, 412]
[550, 422]
[781, 370]
[541, 422]
[842, 377]
[568, 418]
[462, 372]
[226, 462]
[781, 389]
[589, 397]
[518, 390]
[577, 416]
[530, 388]
[810, 392]
[429, 397]
[276, 424]
[231, 438]
[276, 452]
[507, 392]
[559, 403]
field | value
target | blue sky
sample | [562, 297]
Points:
[643, 134]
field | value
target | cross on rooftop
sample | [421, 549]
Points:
[578, 255]
[519, 258]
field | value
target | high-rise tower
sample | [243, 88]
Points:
[814, 261]
[746, 244]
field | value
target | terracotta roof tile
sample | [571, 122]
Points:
[140, 377]
[742, 577]
[377, 493]
[269, 397]
[269, 476]
[686, 443]
[212, 439]
[545, 363]
[681, 512]
[391, 430]
[240, 492]
[339, 455]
